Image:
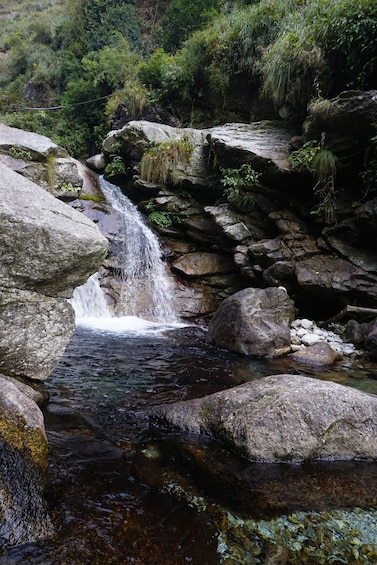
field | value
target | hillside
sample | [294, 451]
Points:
[204, 62]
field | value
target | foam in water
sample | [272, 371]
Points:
[146, 295]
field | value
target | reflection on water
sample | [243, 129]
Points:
[113, 479]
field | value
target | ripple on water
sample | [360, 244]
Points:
[115, 483]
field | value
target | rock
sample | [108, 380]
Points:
[23, 461]
[263, 144]
[45, 245]
[284, 418]
[47, 249]
[371, 340]
[199, 264]
[309, 338]
[254, 322]
[27, 145]
[96, 162]
[342, 279]
[39, 395]
[347, 122]
[34, 332]
[136, 137]
[319, 354]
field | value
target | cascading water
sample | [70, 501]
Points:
[146, 290]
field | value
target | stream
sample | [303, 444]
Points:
[122, 490]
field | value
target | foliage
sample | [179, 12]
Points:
[161, 218]
[115, 167]
[185, 16]
[235, 179]
[18, 152]
[97, 20]
[159, 163]
[290, 69]
[302, 159]
[323, 165]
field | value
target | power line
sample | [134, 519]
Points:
[67, 105]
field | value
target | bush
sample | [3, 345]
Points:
[183, 17]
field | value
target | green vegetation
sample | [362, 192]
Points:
[159, 163]
[323, 164]
[233, 180]
[84, 57]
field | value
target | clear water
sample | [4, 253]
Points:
[115, 481]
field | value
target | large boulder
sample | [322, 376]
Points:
[40, 160]
[137, 137]
[264, 145]
[45, 245]
[47, 249]
[23, 461]
[254, 322]
[284, 418]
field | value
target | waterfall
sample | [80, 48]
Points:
[89, 301]
[146, 290]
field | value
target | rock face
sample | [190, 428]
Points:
[284, 418]
[254, 322]
[277, 230]
[47, 249]
[23, 459]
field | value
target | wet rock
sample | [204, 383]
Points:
[319, 354]
[254, 322]
[284, 418]
[23, 461]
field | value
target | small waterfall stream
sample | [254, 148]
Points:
[146, 291]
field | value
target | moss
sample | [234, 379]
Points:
[30, 442]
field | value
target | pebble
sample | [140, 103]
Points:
[305, 332]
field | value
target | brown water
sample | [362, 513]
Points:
[115, 483]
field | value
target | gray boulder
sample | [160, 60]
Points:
[45, 245]
[136, 137]
[34, 332]
[284, 418]
[264, 145]
[40, 160]
[47, 249]
[254, 322]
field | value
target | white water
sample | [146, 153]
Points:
[146, 297]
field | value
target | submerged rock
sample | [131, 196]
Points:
[254, 322]
[284, 418]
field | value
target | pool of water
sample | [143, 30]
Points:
[122, 491]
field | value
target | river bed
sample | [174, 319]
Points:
[122, 491]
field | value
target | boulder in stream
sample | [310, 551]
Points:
[23, 461]
[254, 322]
[284, 418]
